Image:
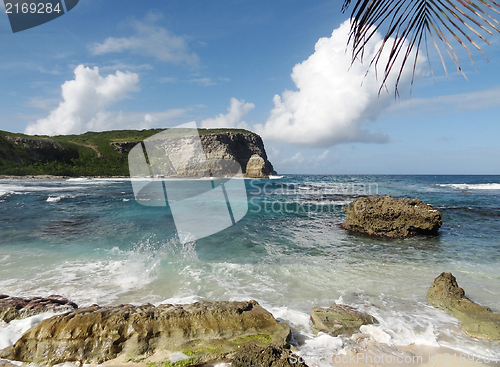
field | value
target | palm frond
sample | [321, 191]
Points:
[410, 22]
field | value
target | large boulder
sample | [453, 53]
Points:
[206, 331]
[253, 355]
[476, 320]
[12, 308]
[390, 217]
[339, 319]
[257, 168]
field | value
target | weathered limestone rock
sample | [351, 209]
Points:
[256, 168]
[476, 320]
[182, 156]
[241, 147]
[206, 331]
[339, 319]
[390, 217]
[12, 308]
[268, 356]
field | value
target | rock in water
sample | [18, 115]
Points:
[477, 321]
[268, 356]
[256, 167]
[390, 217]
[12, 308]
[206, 331]
[339, 319]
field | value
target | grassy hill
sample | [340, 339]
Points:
[89, 154]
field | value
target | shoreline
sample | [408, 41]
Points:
[45, 177]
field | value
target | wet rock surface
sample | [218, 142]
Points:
[339, 320]
[12, 308]
[390, 217]
[206, 332]
[268, 356]
[476, 320]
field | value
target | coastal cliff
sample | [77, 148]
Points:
[105, 154]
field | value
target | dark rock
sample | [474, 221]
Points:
[390, 217]
[206, 331]
[44, 150]
[268, 356]
[476, 320]
[339, 319]
[12, 308]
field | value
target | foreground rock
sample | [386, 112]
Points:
[390, 217]
[268, 356]
[206, 331]
[12, 308]
[339, 319]
[477, 321]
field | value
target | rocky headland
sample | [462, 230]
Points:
[390, 217]
[104, 154]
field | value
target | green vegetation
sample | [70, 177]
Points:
[262, 338]
[183, 363]
[87, 155]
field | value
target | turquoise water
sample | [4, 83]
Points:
[90, 241]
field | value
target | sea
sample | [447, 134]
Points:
[89, 240]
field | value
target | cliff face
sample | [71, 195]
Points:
[240, 147]
[105, 153]
[37, 150]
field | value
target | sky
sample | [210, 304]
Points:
[278, 68]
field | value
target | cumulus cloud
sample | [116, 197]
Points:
[334, 100]
[234, 116]
[85, 100]
[150, 40]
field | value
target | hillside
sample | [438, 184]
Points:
[105, 153]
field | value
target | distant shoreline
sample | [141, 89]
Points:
[43, 177]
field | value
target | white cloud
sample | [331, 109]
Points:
[122, 66]
[85, 100]
[207, 82]
[454, 103]
[334, 98]
[150, 40]
[233, 118]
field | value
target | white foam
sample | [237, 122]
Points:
[177, 357]
[52, 199]
[486, 186]
[296, 319]
[10, 333]
[275, 177]
[318, 351]
[181, 300]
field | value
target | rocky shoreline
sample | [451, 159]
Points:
[243, 333]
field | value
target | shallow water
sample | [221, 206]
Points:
[90, 241]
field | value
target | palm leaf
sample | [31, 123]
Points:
[410, 22]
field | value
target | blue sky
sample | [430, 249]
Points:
[273, 67]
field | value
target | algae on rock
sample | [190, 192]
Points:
[209, 331]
